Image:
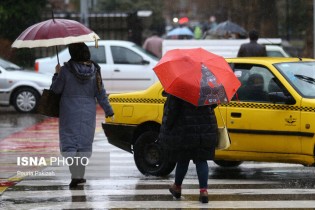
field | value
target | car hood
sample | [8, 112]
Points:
[31, 76]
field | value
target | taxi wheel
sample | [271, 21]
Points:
[227, 164]
[149, 157]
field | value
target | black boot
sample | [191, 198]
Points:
[74, 182]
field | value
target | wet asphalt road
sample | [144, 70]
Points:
[120, 185]
[12, 121]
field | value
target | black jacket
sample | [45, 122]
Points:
[187, 131]
[252, 49]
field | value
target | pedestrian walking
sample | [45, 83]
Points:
[195, 81]
[189, 133]
[79, 82]
[153, 45]
[252, 49]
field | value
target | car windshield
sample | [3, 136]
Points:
[146, 52]
[8, 65]
[301, 75]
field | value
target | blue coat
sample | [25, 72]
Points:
[77, 84]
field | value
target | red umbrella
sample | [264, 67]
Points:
[197, 76]
[183, 20]
[54, 32]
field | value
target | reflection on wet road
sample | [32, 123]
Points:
[113, 182]
[12, 121]
[251, 186]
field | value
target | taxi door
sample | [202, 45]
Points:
[255, 123]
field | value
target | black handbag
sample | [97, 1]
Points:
[49, 103]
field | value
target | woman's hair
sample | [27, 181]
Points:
[79, 52]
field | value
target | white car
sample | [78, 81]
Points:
[125, 66]
[228, 48]
[21, 88]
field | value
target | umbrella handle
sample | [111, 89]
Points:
[96, 41]
[57, 55]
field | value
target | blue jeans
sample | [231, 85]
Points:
[202, 172]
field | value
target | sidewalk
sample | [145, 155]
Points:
[40, 140]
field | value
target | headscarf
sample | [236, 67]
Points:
[79, 52]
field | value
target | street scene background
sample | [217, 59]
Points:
[113, 180]
[290, 20]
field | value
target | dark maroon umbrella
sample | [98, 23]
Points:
[228, 27]
[54, 32]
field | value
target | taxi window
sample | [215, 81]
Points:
[301, 76]
[256, 83]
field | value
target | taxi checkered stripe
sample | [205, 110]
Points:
[269, 106]
[138, 100]
[308, 109]
[231, 104]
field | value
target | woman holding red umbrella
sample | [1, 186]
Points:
[189, 133]
[196, 81]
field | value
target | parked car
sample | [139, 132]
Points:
[21, 88]
[277, 126]
[124, 65]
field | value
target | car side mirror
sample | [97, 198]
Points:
[145, 62]
[280, 97]
[164, 94]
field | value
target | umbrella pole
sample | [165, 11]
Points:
[57, 55]
[53, 17]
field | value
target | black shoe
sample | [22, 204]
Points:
[175, 191]
[74, 182]
[82, 180]
[203, 197]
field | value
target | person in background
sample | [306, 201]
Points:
[188, 133]
[252, 49]
[79, 82]
[153, 45]
[197, 32]
[211, 24]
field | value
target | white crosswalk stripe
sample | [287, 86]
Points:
[123, 187]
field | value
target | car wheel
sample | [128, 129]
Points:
[228, 164]
[149, 156]
[25, 100]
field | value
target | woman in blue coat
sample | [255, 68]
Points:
[79, 82]
[189, 133]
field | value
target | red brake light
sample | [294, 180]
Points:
[36, 66]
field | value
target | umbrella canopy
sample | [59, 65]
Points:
[228, 27]
[54, 32]
[197, 76]
[183, 20]
[181, 31]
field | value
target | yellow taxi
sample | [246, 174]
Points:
[270, 119]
